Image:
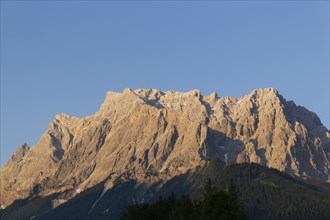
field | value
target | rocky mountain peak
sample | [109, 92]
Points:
[265, 91]
[150, 136]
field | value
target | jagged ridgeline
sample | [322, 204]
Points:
[148, 138]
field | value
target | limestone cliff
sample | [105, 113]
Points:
[150, 136]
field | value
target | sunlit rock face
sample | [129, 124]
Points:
[150, 136]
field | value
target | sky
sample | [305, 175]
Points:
[62, 57]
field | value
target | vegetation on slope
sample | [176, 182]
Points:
[217, 204]
[265, 194]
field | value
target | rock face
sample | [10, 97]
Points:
[150, 136]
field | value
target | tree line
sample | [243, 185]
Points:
[217, 204]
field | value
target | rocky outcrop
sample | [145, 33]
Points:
[150, 136]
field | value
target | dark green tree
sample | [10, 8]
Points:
[217, 204]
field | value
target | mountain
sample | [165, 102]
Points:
[150, 137]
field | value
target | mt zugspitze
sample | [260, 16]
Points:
[151, 136]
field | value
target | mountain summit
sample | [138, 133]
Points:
[150, 136]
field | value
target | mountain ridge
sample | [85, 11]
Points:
[151, 136]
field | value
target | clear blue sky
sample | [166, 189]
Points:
[63, 56]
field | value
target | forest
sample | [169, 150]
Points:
[217, 204]
[260, 193]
